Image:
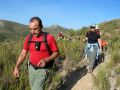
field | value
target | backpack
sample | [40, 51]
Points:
[51, 62]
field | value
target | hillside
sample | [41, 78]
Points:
[106, 75]
[11, 30]
[72, 72]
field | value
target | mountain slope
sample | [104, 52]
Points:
[110, 31]
[11, 30]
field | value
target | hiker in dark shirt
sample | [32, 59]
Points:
[93, 46]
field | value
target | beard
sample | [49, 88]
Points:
[36, 34]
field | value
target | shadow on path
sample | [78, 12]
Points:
[72, 79]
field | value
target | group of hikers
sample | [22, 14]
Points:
[61, 36]
[43, 49]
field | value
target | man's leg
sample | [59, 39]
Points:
[39, 79]
[31, 75]
[91, 57]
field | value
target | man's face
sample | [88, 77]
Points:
[34, 28]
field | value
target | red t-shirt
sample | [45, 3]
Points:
[36, 56]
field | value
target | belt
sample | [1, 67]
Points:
[34, 66]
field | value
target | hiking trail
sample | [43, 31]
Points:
[80, 79]
[86, 82]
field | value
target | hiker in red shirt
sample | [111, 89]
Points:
[60, 36]
[43, 50]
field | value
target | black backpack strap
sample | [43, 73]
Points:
[50, 64]
[30, 39]
[46, 42]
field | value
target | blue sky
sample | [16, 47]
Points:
[67, 13]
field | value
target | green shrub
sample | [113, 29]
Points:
[117, 70]
[116, 57]
[101, 81]
[118, 80]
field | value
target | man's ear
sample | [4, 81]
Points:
[41, 26]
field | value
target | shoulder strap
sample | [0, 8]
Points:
[46, 42]
[30, 38]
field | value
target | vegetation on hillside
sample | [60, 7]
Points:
[71, 50]
[109, 75]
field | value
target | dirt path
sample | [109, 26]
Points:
[86, 82]
[80, 79]
[73, 78]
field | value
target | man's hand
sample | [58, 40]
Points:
[19, 61]
[16, 72]
[42, 63]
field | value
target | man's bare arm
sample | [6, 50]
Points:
[19, 61]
